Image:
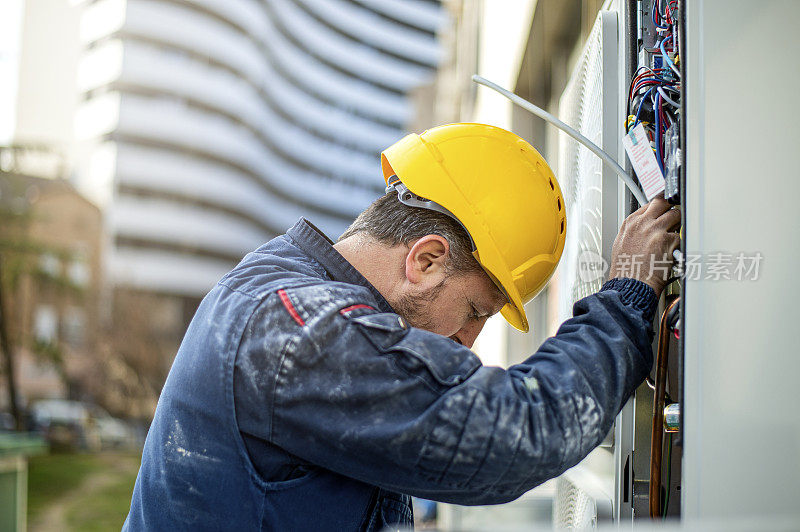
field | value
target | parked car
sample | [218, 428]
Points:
[6, 421]
[78, 425]
[112, 432]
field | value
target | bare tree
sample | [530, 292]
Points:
[8, 356]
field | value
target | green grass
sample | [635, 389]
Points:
[105, 509]
[51, 476]
[94, 488]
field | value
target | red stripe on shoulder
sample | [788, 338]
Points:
[353, 307]
[288, 304]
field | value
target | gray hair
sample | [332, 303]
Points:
[391, 222]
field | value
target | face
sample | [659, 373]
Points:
[451, 304]
[457, 308]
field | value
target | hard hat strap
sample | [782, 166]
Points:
[407, 197]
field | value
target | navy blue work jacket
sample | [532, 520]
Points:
[299, 400]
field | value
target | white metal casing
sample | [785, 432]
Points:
[741, 425]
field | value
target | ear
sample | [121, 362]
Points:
[425, 262]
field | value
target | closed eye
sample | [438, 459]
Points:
[475, 314]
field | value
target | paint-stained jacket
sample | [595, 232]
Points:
[300, 401]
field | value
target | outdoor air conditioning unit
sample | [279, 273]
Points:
[591, 493]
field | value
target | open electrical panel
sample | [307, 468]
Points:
[636, 472]
[656, 100]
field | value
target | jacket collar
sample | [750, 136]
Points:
[319, 247]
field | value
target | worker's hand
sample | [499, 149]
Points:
[643, 248]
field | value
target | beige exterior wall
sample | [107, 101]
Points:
[53, 303]
[528, 46]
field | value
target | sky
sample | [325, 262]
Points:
[10, 42]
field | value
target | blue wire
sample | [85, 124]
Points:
[666, 57]
[654, 78]
[639, 110]
[656, 109]
[653, 13]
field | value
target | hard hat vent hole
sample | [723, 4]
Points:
[558, 202]
[552, 186]
[562, 227]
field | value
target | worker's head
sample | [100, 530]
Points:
[499, 189]
[431, 277]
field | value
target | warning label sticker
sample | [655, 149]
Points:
[644, 161]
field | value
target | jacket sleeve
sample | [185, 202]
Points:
[361, 394]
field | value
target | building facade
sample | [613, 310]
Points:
[202, 129]
[50, 253]
[207, 127]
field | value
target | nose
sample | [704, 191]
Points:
[469, 332]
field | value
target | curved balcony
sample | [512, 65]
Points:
[250, 55]
[365, 26]
[146, 170]
[165, 271]
[422, 15]
[183, 225]
[222, 138]
[350, 56]
[178, 174]
[230, 119]
[220, 92]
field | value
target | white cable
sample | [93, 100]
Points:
[667, 99]
[541, 113]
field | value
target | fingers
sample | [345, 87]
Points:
[657, 207]
[653, 209]
[657, 214]
[668, 242]
[641, 209]
[644, 207]
[673, 241]
[670, 220]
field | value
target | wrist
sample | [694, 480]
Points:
[654, 283]
[635, 293]
[656, 286]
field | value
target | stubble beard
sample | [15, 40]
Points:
[415, 309]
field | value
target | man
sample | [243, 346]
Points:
[319, 384]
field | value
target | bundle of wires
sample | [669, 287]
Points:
[655, 92]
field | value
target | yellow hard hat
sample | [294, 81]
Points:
[501, 190]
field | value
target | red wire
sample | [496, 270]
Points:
[671, 21]
[668, 18]
[643, 84]
[647, 72]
